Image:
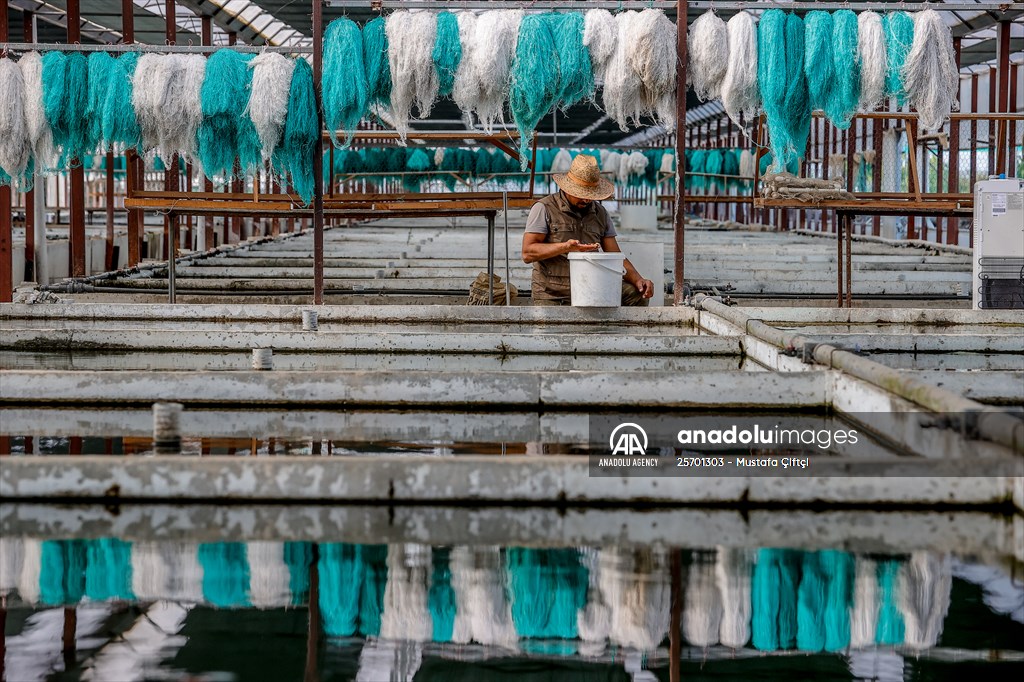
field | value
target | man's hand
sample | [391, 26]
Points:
[574, 245]
[645, 287]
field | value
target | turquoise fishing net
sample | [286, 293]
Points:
[838, 569]
[298, 556]
[225, 573]
[62, 571]
[818, 57]
[371, 601]
[731, 166]
[441, 597]
[781, 54]
[535, 77]
[301, 135]
[696, 165]
[375, 56]
[223, 136]
[842, 105]
[108, 571]
[713, 163]
[101, 66]
[546, 589]
[345, 93]
[416, 167]
[447, 52]
[899, 37]
[773, 599]
[396, 159]
[120, 126]
[810, 605]
[575, 71]
[891, 628]
[342, 573]
[65, 99]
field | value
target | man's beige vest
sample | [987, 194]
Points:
[551, 276]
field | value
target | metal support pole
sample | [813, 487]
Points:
[679, 218]
[172, 254]
[313, 629]
[675, 647]
[6, 223]
[508, 266]
[132, 161]
[849, 260]
[841, 223]
[29, 33]
[1002, 106]
[953, 223]
[490, 258]
[110, 264]
[318, 161]
[77, 175]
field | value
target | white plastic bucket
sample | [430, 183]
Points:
[596, 279]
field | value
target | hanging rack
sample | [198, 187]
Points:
[379, 5]
[138, 47]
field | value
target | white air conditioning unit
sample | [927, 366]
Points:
[998, 245]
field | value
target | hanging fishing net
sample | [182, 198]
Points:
[344, 90]
[899, 37]
[226, 133]
[818, 60]
[466, 86]
[787, 108]
[268, 103]
[930, 75]
[873, 62]
[447, 52]
[842, 105]
[120, 126]
[15, 143]
[301, 135]
[576, 74]
[411, 37]
[40, 133]
[535, 77]
[375, 57]
[708, 45]
[151, 79]
[182, 111]
[651, 39]
[65, 81]
[741, 96]
[496, 37]
[416, 166]
[600, 35]
[100, 66]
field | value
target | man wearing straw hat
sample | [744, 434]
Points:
[572, 220]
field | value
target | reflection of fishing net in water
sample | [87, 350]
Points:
[636, 587]
[479, 291]
[547, 588]
[478, 579]
[702, 610]
[406, 615]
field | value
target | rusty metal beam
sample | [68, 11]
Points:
[953, 223]
[318, 176]
[77, 175]
[679, 217]
[1002, 105]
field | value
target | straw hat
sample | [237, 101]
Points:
[584, 180]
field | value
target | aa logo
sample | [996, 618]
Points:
[628, 439]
